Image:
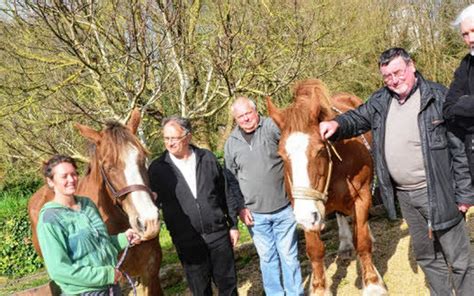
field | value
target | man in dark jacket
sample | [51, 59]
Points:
[422, 164]
[197, 210]
[459, 105]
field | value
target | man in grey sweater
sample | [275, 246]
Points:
[251, 155]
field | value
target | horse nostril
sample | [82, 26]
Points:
[140, 225]
[317, 218]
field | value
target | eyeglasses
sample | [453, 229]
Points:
[174, 139]
[399, 74]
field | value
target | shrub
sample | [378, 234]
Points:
[17, 256]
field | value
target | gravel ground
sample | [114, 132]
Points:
[392, 256]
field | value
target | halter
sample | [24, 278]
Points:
[127, 189]
[308, 193]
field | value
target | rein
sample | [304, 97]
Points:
[127, 189]
[313, 194]
[117, 267]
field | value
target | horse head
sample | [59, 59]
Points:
[306, 156]
[117, 167]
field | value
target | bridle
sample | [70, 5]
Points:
[117, 195]
[308, 193]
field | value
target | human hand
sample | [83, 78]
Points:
[117, 276]
[246, 217]
[328, 128]
[463, 208]
[234, 237]
[133, 237]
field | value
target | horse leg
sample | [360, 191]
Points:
[151, 280]
[373, 282]
[345, 237]
[315, 251]
[144, 264]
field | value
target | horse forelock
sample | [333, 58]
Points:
[298, 118]
[117, 138]
[314, 91]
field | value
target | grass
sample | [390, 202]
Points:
[11, 202]
[13, 286]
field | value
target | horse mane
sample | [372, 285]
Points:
[308, 95]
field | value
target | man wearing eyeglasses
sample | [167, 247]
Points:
[422, 164]
[198, 210]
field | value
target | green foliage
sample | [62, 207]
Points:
[169, 252]
[17, 256]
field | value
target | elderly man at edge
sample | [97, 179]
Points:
[422, 164]
[251, 157]
[459, 105]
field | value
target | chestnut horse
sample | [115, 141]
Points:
[117, 182]
[318, 182]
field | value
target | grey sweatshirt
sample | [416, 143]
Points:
[258, 167]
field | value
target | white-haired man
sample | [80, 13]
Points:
[251, 156]
[459, 105]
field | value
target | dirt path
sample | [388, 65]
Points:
[392, 257]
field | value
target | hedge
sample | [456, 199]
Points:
[17, 255]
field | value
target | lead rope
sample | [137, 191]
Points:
[117, 267]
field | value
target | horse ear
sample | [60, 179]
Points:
[134, 120]
[275, 113]
[88, 133]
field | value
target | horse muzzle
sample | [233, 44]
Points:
[312, 222]
[150, 230]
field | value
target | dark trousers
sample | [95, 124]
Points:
[445, 259]
[210, 260]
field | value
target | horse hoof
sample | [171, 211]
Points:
[375, 290]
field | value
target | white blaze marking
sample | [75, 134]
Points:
[296, 146]
[140, 199]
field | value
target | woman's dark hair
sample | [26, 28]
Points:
[49, 165]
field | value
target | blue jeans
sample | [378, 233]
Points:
[276, 241]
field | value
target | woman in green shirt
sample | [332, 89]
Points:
[78, 252]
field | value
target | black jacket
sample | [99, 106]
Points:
[187, 218]
[447, 174]
[459, 106]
